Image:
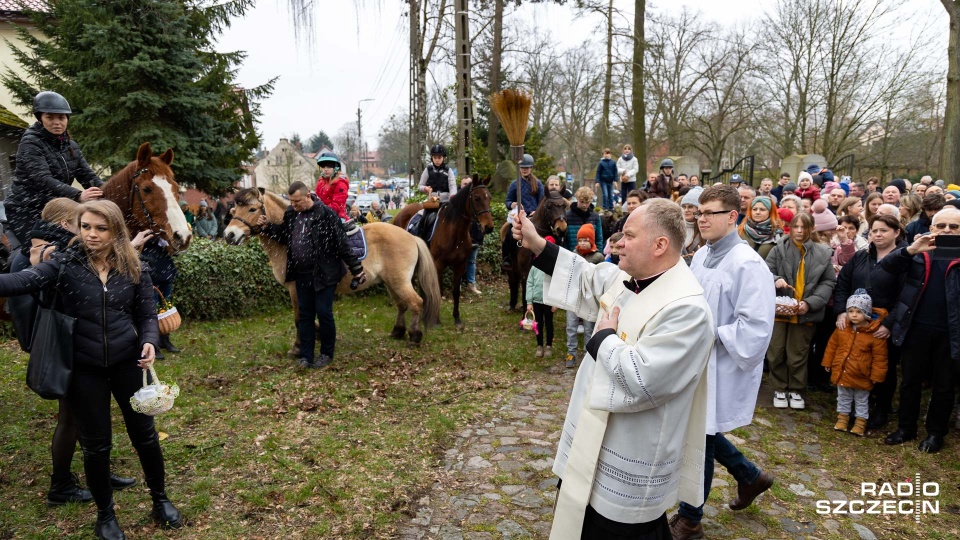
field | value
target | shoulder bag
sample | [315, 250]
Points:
[51, 354]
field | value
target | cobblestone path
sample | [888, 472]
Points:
[497, 481]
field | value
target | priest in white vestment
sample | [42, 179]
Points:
[632, 441]
[738, 286]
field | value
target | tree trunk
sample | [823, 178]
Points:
[607, 81]
[639, 109]
[493, 122]
[950, 151]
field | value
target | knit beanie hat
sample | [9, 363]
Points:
[899, 184]
[830, 186]
[804, 175]
[861, 300]
[203, 204]
[953, 187]
[692, 196]
[812, 170]
[786, 215]
[955, 193]
[790, 187]
[823, 219]
[587, 231]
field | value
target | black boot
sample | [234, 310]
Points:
[107, 527]
[166, 345]
[118, 482]
[159, 355]
[65, 490]
[164, 512]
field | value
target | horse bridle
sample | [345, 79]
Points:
[478, 213]
[254, 229]
[135, 194]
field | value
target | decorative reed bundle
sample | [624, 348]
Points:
[512, 107]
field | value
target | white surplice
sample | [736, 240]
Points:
[641, 404]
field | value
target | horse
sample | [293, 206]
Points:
[451, 243]
[393, 258]
[146, 192]
[550, 220]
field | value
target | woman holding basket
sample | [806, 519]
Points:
[802, 269]
[100, 282]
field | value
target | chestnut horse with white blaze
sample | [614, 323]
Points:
[393, 258]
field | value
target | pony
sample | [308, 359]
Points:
[393, 258]
[451, 243]
[550, 218]
[146, 192]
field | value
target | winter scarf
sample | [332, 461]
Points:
[763, 232]
[627, 156]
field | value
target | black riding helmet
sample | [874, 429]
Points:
[438, 150]
[50, 102]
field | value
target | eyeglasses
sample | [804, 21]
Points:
[943, 226]
[698, 215]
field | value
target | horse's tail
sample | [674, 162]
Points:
[427, 276]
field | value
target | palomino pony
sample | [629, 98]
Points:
[451, 243]
[393, 258]
[550, 219]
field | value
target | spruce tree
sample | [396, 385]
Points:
[146, 70]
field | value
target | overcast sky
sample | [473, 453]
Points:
[361, 53]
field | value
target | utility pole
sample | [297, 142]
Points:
[464, 93]
[363, 168]
[415, 82]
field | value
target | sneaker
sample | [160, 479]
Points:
[780, 400]
[580, 329]
[324, 361]
[539, 353]
[796, 402]
[548, 351]
[306, 363]
[571, 361]
[472, 289]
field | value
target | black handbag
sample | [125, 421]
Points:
[51, 354]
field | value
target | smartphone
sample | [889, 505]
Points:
[948, 247]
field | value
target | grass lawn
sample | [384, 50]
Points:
[260, 449]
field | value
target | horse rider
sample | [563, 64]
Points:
[437, 180]
[48, 161]
[527, 192]
[332, 187]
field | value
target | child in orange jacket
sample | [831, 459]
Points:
[856, 359]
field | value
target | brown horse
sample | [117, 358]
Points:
[550, 219]
[393, 258]
[146, 192]
[451, 244]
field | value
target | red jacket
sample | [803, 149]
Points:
[333, 193]
[812, 193]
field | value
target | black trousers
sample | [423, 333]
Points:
[816, 375]
[317, 305]
[544, 316]
[89, 400]
[597, 527]
[883, 392]
[926, 352]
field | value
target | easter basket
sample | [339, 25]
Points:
[168, 318]
[787, 306]
[528, 322]
[156, 398]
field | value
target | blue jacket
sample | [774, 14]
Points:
[576, 219]
[528, 200]
[607, 170]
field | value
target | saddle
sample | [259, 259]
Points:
[423, 224]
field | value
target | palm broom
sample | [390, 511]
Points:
[512, 107]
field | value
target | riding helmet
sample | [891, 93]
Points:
[667, 162]
[438, 150]
[527, 161]
[50, 102]
[329, 158]
[735, 179]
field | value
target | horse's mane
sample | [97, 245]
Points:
[457, 207]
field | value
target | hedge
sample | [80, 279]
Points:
[217, 281]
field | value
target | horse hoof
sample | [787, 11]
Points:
[459, 325]
[416, 337]
[293, 352]
[398, 332]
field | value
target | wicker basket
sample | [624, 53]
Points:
[168, 318]
[788, 310]
[156, 398]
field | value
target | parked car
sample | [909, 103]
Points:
[365, 199]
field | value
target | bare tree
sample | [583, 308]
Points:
[638, 105]
[950, 154]
[579, 107]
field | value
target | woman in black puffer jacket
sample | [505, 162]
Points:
[48, 161]
[101, 283]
